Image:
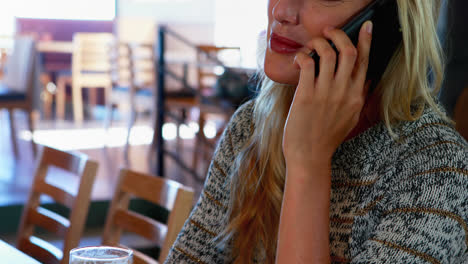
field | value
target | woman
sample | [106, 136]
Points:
[315, 170]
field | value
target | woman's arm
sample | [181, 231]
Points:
[304, 226]
[324, 111]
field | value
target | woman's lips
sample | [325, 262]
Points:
[283, 45]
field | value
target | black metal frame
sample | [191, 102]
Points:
[161, 72]
[160, 99]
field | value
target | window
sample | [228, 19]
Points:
[239, 23]
[66, 9]
[53, 9]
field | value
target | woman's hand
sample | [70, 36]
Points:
[327, 107]
[324, 110]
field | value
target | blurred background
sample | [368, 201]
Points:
[143, 85]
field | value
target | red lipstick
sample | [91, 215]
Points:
[283, 45]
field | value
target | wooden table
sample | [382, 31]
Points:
[10, 254]
[49, 74]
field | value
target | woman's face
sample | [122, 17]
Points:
[293, 23]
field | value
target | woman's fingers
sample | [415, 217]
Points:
[307, 77]
[347, 53]
[364, 45]
[352, 65]
[327, 65]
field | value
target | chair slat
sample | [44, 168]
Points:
[40, 250]
[152, 189]
[177, 218]
[59, 195]
[140, 225]
[72, 162]
[49, 220]
[70, 230]
[148, 186]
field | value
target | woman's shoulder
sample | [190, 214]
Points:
[243, 115]
[430, 175]
[241, 124]
[430, 148]
[432, 132]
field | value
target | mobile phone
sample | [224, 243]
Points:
[386, 36]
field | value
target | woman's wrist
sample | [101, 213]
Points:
[315, 158]
[311, 171]
[309, 163]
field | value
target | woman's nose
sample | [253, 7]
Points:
[286, 12]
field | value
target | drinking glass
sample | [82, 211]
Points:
[101, 255]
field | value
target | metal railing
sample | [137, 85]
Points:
[161, 71]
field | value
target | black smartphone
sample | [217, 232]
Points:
[386, 36]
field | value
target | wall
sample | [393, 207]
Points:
[190, 11]
[221, 22]
[137, 18]
[239, 23]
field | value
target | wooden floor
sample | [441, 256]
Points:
[16, 174]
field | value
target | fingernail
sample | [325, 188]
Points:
[369, 27]
[295, 63]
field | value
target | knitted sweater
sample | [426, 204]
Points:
[392, 201]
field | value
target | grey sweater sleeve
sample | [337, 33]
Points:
[195, 243]
[424, 219]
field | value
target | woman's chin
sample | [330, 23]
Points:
[282, 76]
[281, 69]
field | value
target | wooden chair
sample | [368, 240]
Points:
[133, 82]
[461, 113]
[17, 88]
[206, 77]
[206, 72]
[167, 193]
[121, 79]
[90, 69]
[36, 216]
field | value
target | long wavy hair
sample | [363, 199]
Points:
[259, 175]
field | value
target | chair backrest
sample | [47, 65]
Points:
[20, 65]
[133, 70]
[206, 67]
[120, 63]
[34, 215]
[142, 56]
[166, 193]
[133, 64]
[91, 52]
[132, 67]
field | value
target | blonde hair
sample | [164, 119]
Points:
[259, 174]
